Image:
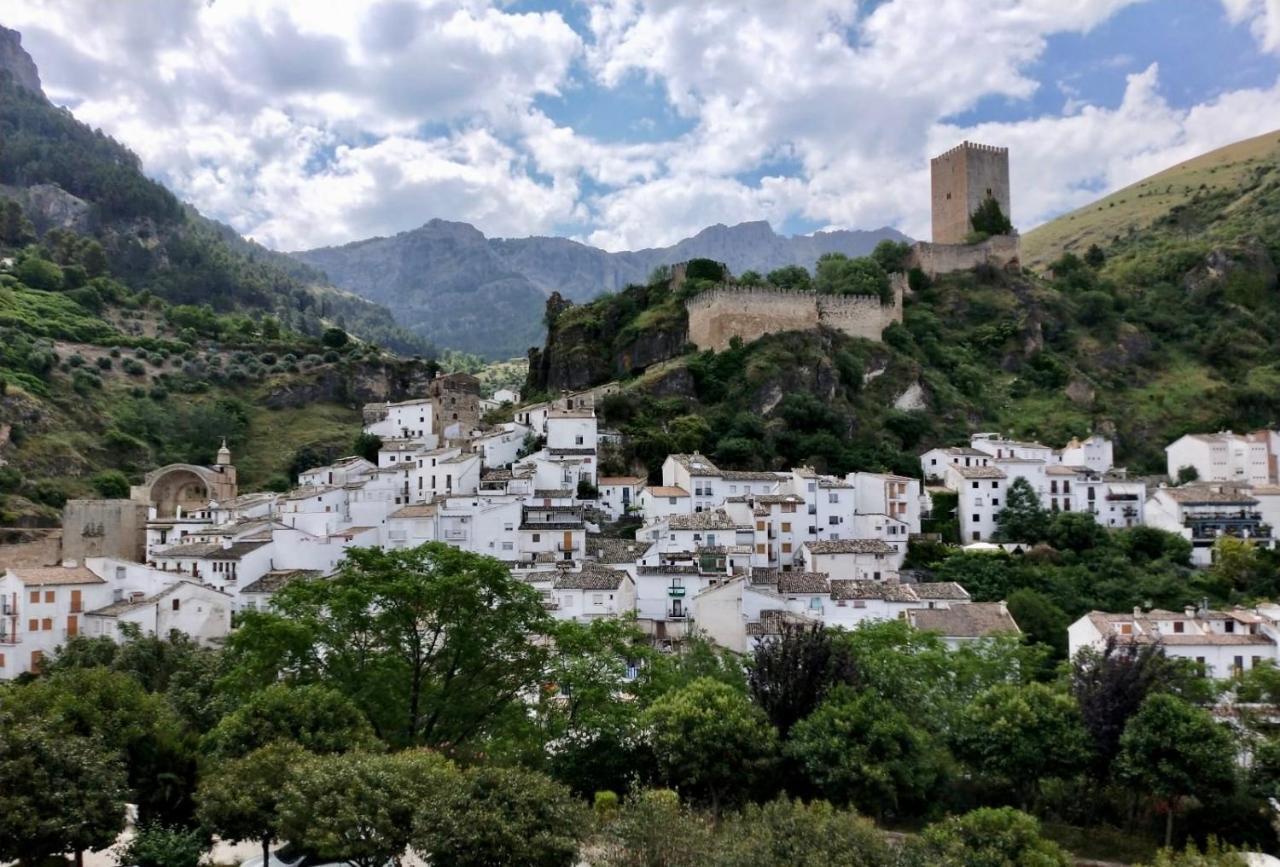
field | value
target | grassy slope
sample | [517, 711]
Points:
[1138, 206]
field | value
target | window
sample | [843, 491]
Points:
[1053, 486]
[786, 527]
[1127, 629]
[1238, 664]
[976, 536]
[537, 537]
[786, 547]
[760, 526]
[35, 596]
[506, 546]
[977, 518]
[597, 598]
[1179, 626]
[995, 485]
[177, 604]
[833, 498]
[46, 625]
[933, 462]
[1229, 626]
[508, 526]
[33, 625]
[859, 603]
[760, 549]
[995, 501]
[975, 485]
[671, 500]
[833, 520]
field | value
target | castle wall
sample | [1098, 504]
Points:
[960, 180]
[103, 528]
[1000, 251]
[717, 316]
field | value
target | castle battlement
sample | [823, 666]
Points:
[724, 312]
[972, 146]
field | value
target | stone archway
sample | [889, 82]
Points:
[178, 487]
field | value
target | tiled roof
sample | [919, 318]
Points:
[1063, 470]
[48, 576]
[553, 493]
[1147, 632]
[715, 519]
[963, 451]
[773, 499]
[1208, 495]
[860, 588]
[563, 453]
[940, 590]
[747, 476]
[697, 464]
[117, 608]
[273, 581]
[970, 620]
[209, 551]
[420, 510]
[496, 476]
[615, 550]
[773, 620]
[667, 491]
[592, 577]
[618, 481]
[765, 574]
[850, 546]
[803, 582]
[979, 472]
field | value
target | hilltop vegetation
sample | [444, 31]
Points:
[1162, 331]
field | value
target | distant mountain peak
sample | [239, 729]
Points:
[15, 60]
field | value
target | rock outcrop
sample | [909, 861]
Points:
[15, 61]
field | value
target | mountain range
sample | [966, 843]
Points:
[459, 289]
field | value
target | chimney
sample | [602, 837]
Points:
[1190, 611]
[1137, 611]
[1004, 609]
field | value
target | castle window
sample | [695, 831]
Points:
[948, 197]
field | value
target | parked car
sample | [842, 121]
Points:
[289, 855]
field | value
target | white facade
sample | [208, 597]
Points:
[619, 495]
[1227, 457]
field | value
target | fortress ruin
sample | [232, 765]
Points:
[725, 312]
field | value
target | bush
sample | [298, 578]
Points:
[111, 485]
[104, 363]
[985, 837]
[334, 338]
[157, 845]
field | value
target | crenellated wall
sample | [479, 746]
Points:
[720, 314]
[999, 251]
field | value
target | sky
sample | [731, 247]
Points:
[635, 123]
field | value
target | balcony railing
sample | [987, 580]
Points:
[8, 609]
[565, 546]
[8, 638]
[677, 615]
[676, 590]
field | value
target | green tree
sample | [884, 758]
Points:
[837, 274]
[334, 338]
[1040, 620]
[1076, 531]
[786, 833]
[789, 277]
[15, 229]
[239, 799]
[859, 749]
[989, 219]
[501, 817]
[710, 740]
[59, 792]
[892, 255]
[1022, 734]
[111, 485]
[157, 845]
[1186, 475]
[93, 259]
[653, 829]
[360, 807]
[270, 328]
[39, 274]
[433, 643]
[367, 446]
[791, 673]
[704, 269]
[988, 837]
[751, 278]
[317, 718]
[1213, 855]
[1094, 257]
[1022, 519]
[1174, 751]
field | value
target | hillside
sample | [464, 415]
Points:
[1232, 172]
[461, 290]
[135, 332]
[1168, 329]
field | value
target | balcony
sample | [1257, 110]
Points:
[567, 547]
[676, 590]
[8, 638]
[682, 614]
[455, 535]
[8, 609]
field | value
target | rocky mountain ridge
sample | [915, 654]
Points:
[449, 282]
[15, 60]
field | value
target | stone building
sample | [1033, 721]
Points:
[962, 178]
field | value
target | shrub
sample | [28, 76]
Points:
[111, 485]
[104, 363]
[133, 368]
[157, 845]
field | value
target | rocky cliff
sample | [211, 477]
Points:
[15, 61]
[449, 282]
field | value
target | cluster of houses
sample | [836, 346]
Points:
[734, 556]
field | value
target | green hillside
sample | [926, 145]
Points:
[1164, 330]
[1231, 175]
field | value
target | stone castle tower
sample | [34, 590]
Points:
[961, 179]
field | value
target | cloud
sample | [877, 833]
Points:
[308, 123]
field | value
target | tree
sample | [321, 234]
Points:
[791, 673]
[15, 229]
[270, 328]
[1214, 855]
[433, 643]
[1022, 519]
[1186, 475]
[59, 792]
[704, 269]
[39, 274]
[989, 219]
[1110, 686]
[1075, 531]
[653, 829]
[111, 484]
[892, 255]
[859, 749]
[786, 833]
[93, 259]
[709, 739]
[157, 845]
[1094, 257]
[1174, 751]
[360, 807]
[837, 274]
[501, 817]
[1040, 620]
[751, 278]
[1021, 734]
[988, 837]
[334, 338]
[317, 718]
[789, 277]
[239, 799]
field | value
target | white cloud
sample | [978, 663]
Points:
[307, 123]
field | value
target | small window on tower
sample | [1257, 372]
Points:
[948, 197]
